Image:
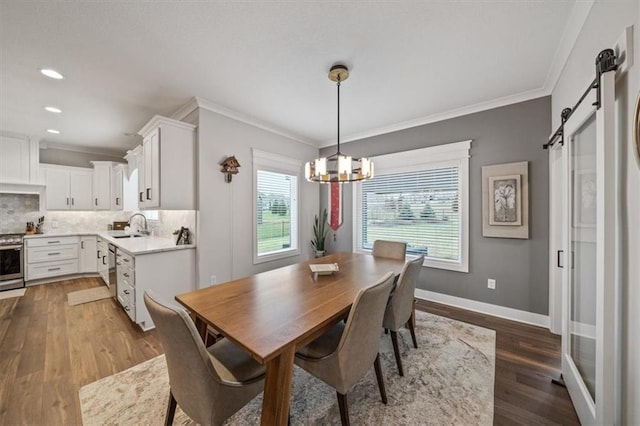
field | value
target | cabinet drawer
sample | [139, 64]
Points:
[51, 269]
[127, 297]
[125, 258]
[126, 275]
[127, 292]
[53, 252]
[50, 241]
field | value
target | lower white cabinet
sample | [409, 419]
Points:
[87, 260]
[102, 258]
[125, 271]
[51, 257]
[167, 273]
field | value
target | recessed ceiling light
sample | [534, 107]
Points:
[54, 131]
[52, 73]
[53, 109]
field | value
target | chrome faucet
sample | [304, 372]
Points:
[145, 231]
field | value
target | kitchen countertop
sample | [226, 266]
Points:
[134, 246]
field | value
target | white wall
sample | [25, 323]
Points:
[605, 23]
[225, 228]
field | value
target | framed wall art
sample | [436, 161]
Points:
[505, 200]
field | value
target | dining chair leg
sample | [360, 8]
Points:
[396, 351]
[171, 410]
[344, 409]
[383, 391]
[411, 325]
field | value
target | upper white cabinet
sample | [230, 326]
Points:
[166, 168]
[102, 185]
[68, 188]
[18, 160]
[117, 185]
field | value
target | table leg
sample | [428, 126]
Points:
[277, 389]
[201, 326]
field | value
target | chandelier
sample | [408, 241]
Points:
[338, 167]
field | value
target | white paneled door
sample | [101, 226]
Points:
[589, 274]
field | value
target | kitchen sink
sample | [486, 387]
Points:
[127, 236]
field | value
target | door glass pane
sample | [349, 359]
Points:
[583, 249]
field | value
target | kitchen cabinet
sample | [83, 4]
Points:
[167, 273]
[49, 257]
[68, 188]
[125, 272]
[87, 261]
[19, 158]
[102, 185]
[102, 257]
[166, 168]
[117, 186]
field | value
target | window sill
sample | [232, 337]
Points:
[257, 259]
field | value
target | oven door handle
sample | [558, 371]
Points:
[15, 247]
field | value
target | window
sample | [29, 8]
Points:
[275, 206]
[419, 197]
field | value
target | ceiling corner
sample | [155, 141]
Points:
[575, 22]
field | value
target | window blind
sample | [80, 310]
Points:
[277, 212]
[421, 208]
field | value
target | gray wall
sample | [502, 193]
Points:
[502, 135]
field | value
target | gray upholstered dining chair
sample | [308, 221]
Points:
[390, 249]
[343, 355]
[210, 384]
[400, 310]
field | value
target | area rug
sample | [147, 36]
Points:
[88, 295]
[448, 380]
[10, 294]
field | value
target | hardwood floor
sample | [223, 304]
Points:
[49, 350]
[527, 358]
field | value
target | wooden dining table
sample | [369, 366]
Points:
[273, 314]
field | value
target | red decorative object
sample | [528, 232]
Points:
[335, 205]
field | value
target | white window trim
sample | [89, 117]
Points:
[279, 164]
[450, 154]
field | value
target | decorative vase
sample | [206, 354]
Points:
[319, 253]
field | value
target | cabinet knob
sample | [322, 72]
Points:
[140, 197]
[148, 193]
[96, 201]
[126, 292]
[117, 201]
[126, 308]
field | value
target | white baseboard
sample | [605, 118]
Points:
[485, 308]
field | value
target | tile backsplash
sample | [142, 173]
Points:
[18, 209]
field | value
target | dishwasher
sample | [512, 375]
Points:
[112, 271]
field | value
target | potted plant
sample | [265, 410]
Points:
[319, 234]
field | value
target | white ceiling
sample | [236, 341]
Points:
[410, 61]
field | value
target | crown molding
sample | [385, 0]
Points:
[197, 102]
[577, 18]
[458, 112]
[82, 149]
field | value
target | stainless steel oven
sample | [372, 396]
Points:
[11, 262]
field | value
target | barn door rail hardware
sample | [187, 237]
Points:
[605, 61]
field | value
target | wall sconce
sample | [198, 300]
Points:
[229, 167]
